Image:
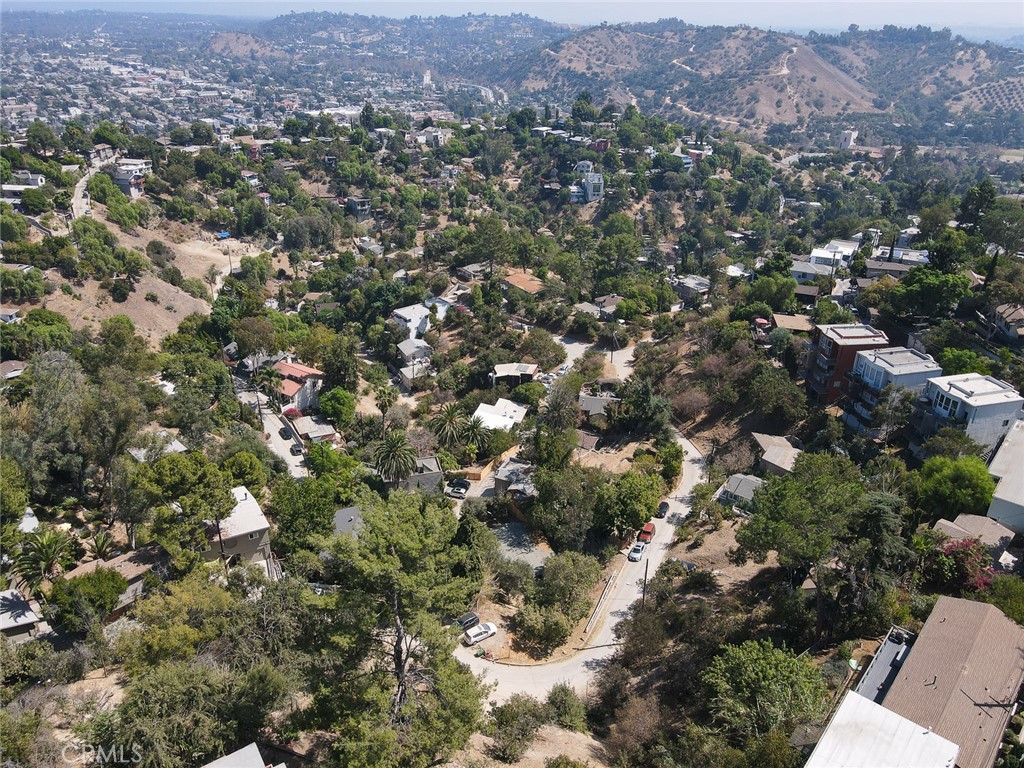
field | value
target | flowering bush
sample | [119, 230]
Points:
[962, 565]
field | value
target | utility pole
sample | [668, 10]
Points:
[643, 598]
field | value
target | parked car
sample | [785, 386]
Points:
[563, 370]
[285, 433]
[479, 633]
[458, 488]
[296, 449]
[636, 554]
[647, 532]
[468, 620]
[662, 509]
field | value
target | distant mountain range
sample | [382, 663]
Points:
[741, 76]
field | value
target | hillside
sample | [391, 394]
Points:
[758, 79]
[730, 73]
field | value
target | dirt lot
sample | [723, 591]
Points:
[713, 555]
[550, 742]
[618, 459]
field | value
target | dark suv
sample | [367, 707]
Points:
[468, 620]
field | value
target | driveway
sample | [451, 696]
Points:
[599, 644]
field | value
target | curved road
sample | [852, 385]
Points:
[579, 669]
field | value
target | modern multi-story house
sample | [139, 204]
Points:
[242, 537]
[836, 348]
[982, 406]
[876, 369]
[300, 385]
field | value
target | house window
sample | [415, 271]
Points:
[253, 536]
[1006, 423]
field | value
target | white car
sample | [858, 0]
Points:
[563, 370]
[636, 554]
[479, 633]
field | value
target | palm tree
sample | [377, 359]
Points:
[102, 545]
[560, 410]
[475, 433]
[394, 457]
[385, 397]
[449, 425]
[42, 555]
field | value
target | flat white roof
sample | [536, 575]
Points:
[504, 414]
[1009, 459]
[853, 333]
[15, 611]
[863, 734]
[900, 360]
[975, 389]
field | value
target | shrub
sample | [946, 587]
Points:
[514, 726]
[88, 598]
[567, 708]
[152, 297]
[541, 630]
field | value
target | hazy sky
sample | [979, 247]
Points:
[1002, 18]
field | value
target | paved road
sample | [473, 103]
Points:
[580, 669]
[272, 424]
[79, 199]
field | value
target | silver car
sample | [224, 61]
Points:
[636, 554]
[479, 633]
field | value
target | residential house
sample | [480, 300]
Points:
[806, 294]
[586, 308]
[739, 490]
[982, 406]
[836, 348]
[993, 535]
[691, 287]
[894, 269]
[793, 323]
[29, 179]
[19, 621]
[863, 734]
[470, 272]
[252, 179]
[134, 566]
[1007, 467]
[246, 757]
[504, 414]
[518, 373]
[778, 453]
[101, 153]
[415, 319]
[876, 369]
[592, 185]
[962, 678]
[358, 207]
[523, 281]
[806, 272]
[414, 350]
[607, 305]
[313, 430]
[426, 478]
[596, 405]
[300, 385]
[130, 176]
[243, 537]
[1008, 320]
[826, 258]
[514, 476]
[410, 374]
[10, 315]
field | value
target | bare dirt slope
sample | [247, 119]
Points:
[550, 742]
